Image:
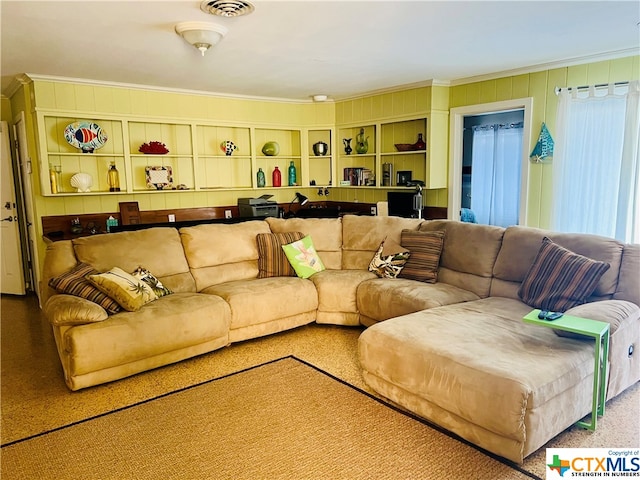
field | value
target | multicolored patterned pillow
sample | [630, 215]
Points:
[272, 262]
[303, 257]
[389, 260]
[74, 282]
[130, 292]
[425, 248]
[560, 279]
[150, 279]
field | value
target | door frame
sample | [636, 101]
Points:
[456, 128]
[26, 206]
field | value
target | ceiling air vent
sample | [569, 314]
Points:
[226, 8]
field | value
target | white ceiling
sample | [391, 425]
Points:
[295, 49]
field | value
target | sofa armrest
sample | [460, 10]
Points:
[614, 312]
[64, 309]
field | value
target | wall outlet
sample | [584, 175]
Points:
[374, 211]
[172, 217]
[227, 214]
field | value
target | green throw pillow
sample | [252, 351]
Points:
[303, 257]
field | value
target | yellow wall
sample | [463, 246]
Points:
[541, 86]
[6, 109]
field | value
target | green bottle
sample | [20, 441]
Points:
[261, 178]
[292, 174]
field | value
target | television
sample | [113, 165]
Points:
[400, 204]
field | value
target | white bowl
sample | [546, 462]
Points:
[82, 182]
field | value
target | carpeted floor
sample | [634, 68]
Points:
[34, 398]
[284, 419]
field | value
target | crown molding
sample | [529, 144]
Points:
[136, 86]
[629, 52]
[15, 85]
[397, 88]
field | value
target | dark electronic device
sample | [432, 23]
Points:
[258, 207]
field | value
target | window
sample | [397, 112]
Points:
[596, 170]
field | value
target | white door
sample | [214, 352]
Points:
[26, 199]
[12, 279]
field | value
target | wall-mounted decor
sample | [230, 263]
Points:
[544, 147]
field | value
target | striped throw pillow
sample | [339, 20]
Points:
[74, 282]
[425, 248]
[272, 262]
[560, 279]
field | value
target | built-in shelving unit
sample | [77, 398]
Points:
[196, 154]
[383, 160]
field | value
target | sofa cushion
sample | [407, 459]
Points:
[431, 355]
[326, 234]
[425, 248]
[303, 257]
[380, 299]
[171, 323]
[272, 262]
[362, 236]
[158, 249]
[234, 255]
[74, 282]
[614, 312]
[389, 260]
[263, 300]
[67, 310]
[560, 279]
[468, 254]
[628, 287]
[337, 295]
[131, 293]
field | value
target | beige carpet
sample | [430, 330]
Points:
[283, 419]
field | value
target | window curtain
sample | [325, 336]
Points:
[495, 174]
[595, 169]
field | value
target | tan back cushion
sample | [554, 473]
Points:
[520, 247]
[361, 237]
[629, 279]
[219, 253]
[326, 234]
[468, 254]
[59, 258]
[159, 250]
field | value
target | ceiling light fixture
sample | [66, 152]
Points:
[319, 98]
[201, 35]
[226, 8]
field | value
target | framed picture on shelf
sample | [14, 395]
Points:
[404, 177]
[159, 177]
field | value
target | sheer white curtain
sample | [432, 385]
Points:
[495, 174]
[595, 166]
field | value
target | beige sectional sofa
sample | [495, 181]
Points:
[455, 352]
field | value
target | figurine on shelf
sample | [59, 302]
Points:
[276, 177]
[362, 142]
[113, 178]
[347, 146]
